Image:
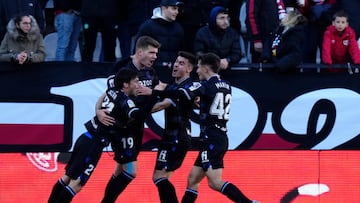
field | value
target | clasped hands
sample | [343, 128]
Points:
[22, 57]
[142, 90]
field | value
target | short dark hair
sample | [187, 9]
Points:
[124, 75]
[210, 59]
[18, 17]
[340, 14]
[144, 41]
[189, 56]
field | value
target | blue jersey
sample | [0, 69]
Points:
[215, 100]
[177, 116]
[121, 107]
[147, 78]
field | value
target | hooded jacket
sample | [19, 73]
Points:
[14, 42]
[224, 43]
[9, 8]
[340, 48]
[170, 34]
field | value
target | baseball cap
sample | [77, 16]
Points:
[170, 3]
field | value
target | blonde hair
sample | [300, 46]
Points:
[294, 17]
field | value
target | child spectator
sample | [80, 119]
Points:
[23, 42]
[340, 45]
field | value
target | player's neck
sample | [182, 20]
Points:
[180, 80]
[210, 75]
[137, 64]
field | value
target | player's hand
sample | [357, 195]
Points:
[22, 57]
[258, 47]
[197, 101]
[160, 86]
[142, 90]
[224, 64]
[104, 118]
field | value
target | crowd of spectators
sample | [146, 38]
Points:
[197, 26]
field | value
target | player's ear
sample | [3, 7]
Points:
[125, 85]
[189, 68]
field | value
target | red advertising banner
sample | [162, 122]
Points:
[270, 176]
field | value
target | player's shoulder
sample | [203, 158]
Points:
[195, 85]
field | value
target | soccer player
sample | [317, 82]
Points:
[89, 146]
[215, 99]
[128, 147]
[146, 50]
[177, 133]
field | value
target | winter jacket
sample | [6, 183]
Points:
[169, 34]
[14, 42]
[10, 8]
[224, 43]
[340, 48]
[285, 49]
[352, 8]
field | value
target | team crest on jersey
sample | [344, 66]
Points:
[195, 86]
[346, 42]
[130, 103]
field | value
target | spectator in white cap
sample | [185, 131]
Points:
[163, 28]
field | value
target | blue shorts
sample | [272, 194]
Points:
[84, 158]
[213, 150]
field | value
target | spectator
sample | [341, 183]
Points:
[340, 45]
[99, 16]
[68, 26]
[262, 18]
[163, 28]
[23, 42]
[352, 9]
[10, 8]
[194, 15]
[132, 14]
[317, 12]
[219, 38]
[285, 47]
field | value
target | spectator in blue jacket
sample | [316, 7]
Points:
[219, 38]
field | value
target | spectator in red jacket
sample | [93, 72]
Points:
[340, 45]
